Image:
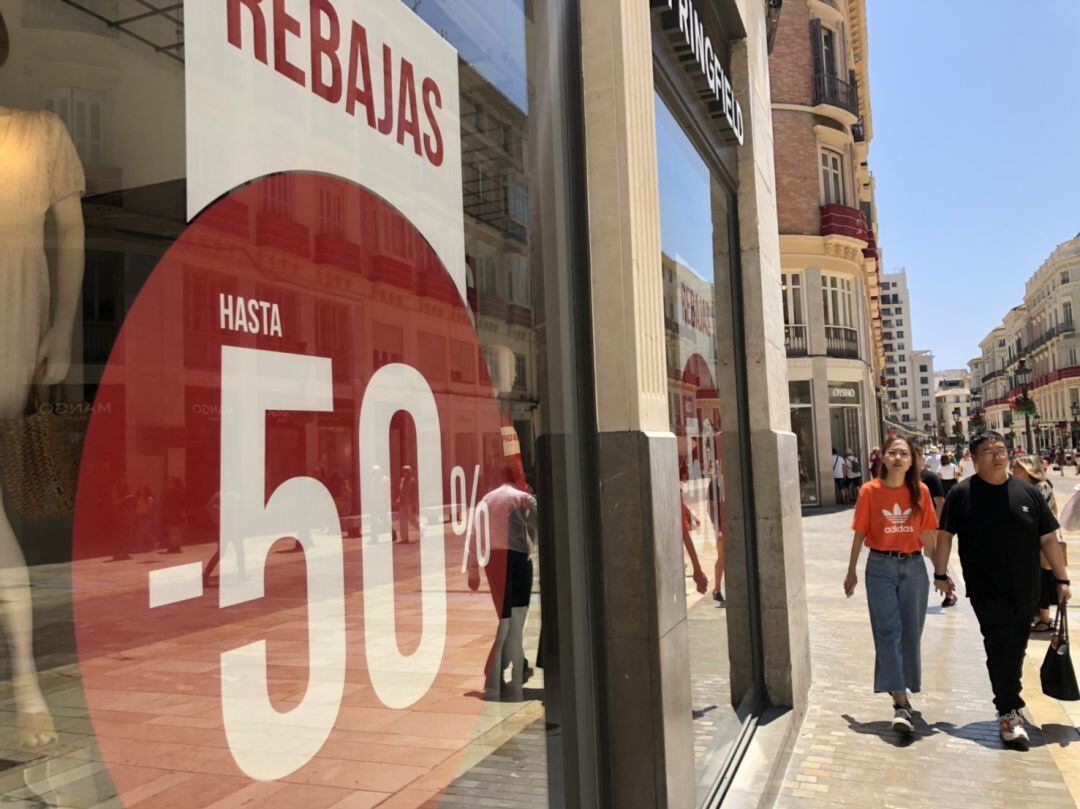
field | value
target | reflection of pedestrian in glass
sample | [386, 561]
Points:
[408, 504]
[509, 573]
[145, 516]
[232, 537]
[174, 514]
[123, 511]
[689, 523]
[716, 513]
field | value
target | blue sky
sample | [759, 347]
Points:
[976, 151]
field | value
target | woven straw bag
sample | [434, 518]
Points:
[40, 454]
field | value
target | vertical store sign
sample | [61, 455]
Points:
[360, 89]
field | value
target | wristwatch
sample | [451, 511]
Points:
[941, 577]
[1056, 581]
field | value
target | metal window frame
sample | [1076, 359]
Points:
[173, 50]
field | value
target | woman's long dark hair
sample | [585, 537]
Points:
[911, 478]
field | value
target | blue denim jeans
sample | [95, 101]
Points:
[896, 592]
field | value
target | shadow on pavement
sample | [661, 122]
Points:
[883, 730]
[986, 734]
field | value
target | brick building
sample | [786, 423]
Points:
[827, 221]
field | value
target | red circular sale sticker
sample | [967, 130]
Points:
[276, 506]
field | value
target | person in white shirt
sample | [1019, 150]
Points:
[839, 473]
[967, 466]
[947, 473]
[933, 459]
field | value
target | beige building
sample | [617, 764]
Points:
[827, 221]
[1036, 347]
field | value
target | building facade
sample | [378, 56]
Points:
[909, 372]
[827, 221]
[1036, 349]
[418, 352]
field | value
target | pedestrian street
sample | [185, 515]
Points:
[846, 752]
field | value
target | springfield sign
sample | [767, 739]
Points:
[686, 29]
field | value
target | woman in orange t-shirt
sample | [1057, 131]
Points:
[895, 518]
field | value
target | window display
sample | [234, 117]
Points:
[300, 368]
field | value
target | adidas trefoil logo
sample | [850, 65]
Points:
[897, 518]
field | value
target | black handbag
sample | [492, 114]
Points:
[1057, 675]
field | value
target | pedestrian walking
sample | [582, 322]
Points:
[947, 473]
[937, 497]
[875, 462]
[854, 474]
[1027, 469]
[966, 467]
[839, 473]
[933, 458]
[1002, 524]
[895, 518]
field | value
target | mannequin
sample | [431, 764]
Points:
[41, 172]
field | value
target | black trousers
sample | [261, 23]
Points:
[1005, 630]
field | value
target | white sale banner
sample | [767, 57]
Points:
[359, 89]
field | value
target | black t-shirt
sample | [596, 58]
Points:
[999, 528]
[933, 483]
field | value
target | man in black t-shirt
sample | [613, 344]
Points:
[1002, 523]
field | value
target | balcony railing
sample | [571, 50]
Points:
[840, 220]
[829, 89]
[993, 375]
[795, 340]
[842, 341]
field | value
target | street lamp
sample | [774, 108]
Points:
[1035, 422]
[1023, 374]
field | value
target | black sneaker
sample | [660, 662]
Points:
[718, 597]
[949, 601]
[902, 716]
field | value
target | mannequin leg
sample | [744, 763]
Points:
[35, 724]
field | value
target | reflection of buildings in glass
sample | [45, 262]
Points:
[331, 256]
[690, 328]
[496, 202]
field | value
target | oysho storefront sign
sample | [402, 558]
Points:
[686, 29]
[844, 393]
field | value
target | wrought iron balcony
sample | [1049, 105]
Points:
[830, 89]
[842, 341]
[795, 340]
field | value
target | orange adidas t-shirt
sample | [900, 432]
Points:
[885, 515]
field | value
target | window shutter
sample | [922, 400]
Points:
[815, 46]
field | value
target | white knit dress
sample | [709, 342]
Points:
[38, 168]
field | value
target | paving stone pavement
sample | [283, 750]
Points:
[846, 753]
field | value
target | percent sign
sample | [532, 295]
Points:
[468, 517]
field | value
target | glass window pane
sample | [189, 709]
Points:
[260, 575]
[695, 235]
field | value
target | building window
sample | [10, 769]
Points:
[791, 284]
[925, 392]
[832, 177]
[836, 292]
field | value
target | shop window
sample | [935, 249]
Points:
[695, 265]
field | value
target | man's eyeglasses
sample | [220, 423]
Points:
[992, 454]
[897, 453]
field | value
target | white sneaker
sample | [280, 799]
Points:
[1011, 727]
[901, 720]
